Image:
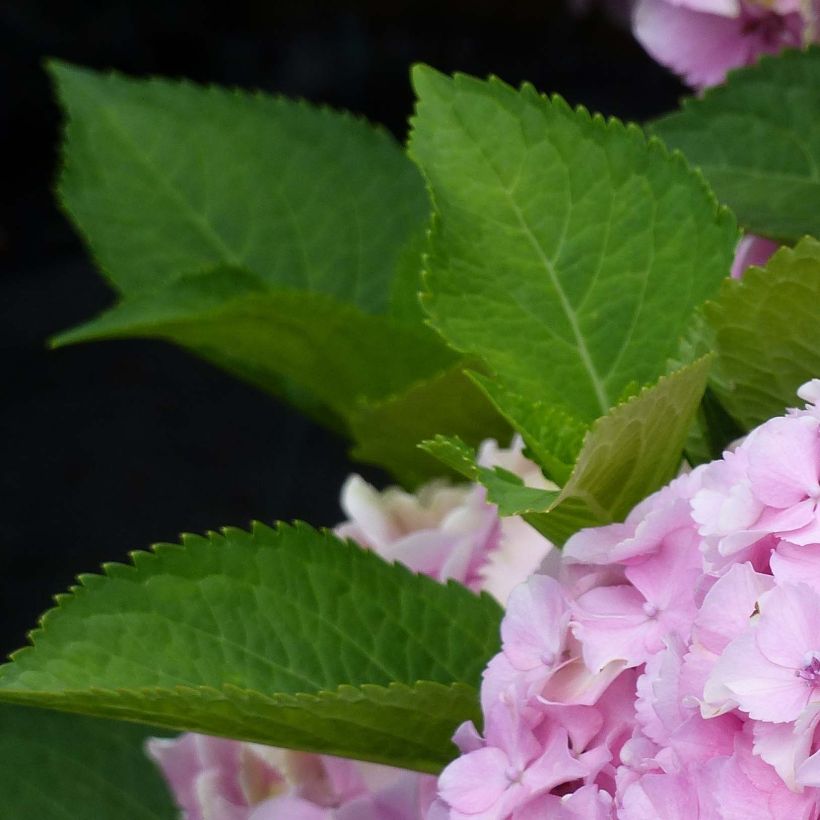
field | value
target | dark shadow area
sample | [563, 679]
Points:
[113, 446]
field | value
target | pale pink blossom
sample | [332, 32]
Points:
[217, 779]
[450, 532]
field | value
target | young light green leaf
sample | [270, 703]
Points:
[388, 431]
[566, 251]
[333, 350]
[165, 178]
[505, 489]
[552, 436]
[288, 636]
[765, 331]
[757, 140]
[627, 454]
[54, 767]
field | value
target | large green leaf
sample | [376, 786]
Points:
[67, 767]
[757, 140]
[165, 178]
[288, 636]
[626, 455]
[766, 333]
[332, 349]
[566, 251]
[280, 241]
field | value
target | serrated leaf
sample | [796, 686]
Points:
[504, 489]
[757, 140]
[765, 331]
[626, 455]
[388, 431]
[288, 637]
[333, 350]
[566, 251]
[553, 438]
[166, 178]
[54, 767]
[629, 453]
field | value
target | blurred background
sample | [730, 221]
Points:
[111, 447]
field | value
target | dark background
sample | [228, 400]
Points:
[112, 446]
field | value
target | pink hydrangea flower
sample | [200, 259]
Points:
[442, 530]
[701, 40]
[686, 642]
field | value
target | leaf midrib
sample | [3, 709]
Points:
[580, 343]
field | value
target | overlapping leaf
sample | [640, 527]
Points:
[279, 240]
[626, 455]
[54, 767]
[328, 348]
[286, 636]
[757, 140]
[765, 331]
[449, 402]
[567, 252]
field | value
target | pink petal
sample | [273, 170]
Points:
[784, 461]
[474, 782]
[700, 47]
[729, 605]
[789, 625]
[752, 251]
[535, 624]
[760, 687]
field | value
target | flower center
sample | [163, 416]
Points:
[650, 610]
[810, 671]
[513, 774]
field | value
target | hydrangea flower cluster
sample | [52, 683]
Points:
[668, 666]
[443, 531]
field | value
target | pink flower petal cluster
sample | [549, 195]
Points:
[701, 40]
[216, 779]
[441, 530]
[669, 667]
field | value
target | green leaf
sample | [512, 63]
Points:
[505, 489]
[626, 455]
[333, 350]
[280, 241]
[629, 453]
[54, 767]
[552, 436]
[165, 178]
[766, 333]
[288, 637]
[567, 252]
[387, 432]
[757, 140]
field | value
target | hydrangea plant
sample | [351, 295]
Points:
[594, 591]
